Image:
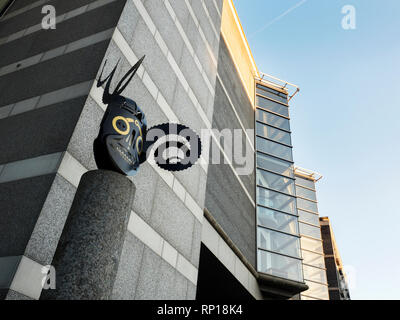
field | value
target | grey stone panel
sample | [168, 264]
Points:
[149, 276]
[166, 26]
[128, 20]
[172, 284]
[232, 209]
[156, 64]
[43, 242]
[190, 179]
[184, 109]
[158, 280]
[86, 130]
[20, 205]
[35, 16]
[194, 78]
[220, 4]
[38, 132]
[172, 220]
[200, 48]
[188, 114]
[225, 118]
[71, 30]
[181, 11]
[127, 278]
[146, 182]
[88, 254]
[233, 84]
[196, 243]
[215, 17]
[79, 66]
[13, 295]
[205, 24]
[191, 291]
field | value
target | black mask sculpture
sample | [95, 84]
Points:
[122, 143]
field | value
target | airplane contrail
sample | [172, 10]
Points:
[278, 17]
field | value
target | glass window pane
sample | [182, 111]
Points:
[272, 106]
[314, 274]
[273, 134]
[275, 165]
[267, 92]
[276, 182]
[307, 205]
[274, 149]
[311, 245]
[317, 290]
[307, 230]
[277, 220]
[313, 259]
[278, 242]
[305, 182]
[306, 193]
[272, 119]
[275, 200]
[280, 266]
[308, 217]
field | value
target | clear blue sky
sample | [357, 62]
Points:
[345, 120]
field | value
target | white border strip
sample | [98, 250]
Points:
[140, 229]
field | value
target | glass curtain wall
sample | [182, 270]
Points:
[278, 238]
[311, 241]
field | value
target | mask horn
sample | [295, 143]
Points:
[106, 95]
[120, 88]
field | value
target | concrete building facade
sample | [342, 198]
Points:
[336, 276]
[193, 234]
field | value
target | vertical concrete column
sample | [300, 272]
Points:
[88, 254]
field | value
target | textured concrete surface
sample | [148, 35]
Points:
[43, 242]
[158, 280]
[230, 206]
[86, 130]
[172, 220]
[89, 251]
[13, 295]
[225, 198]
[129, 267]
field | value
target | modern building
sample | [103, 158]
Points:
[227, 228]
[310, 232]
[337, 280]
